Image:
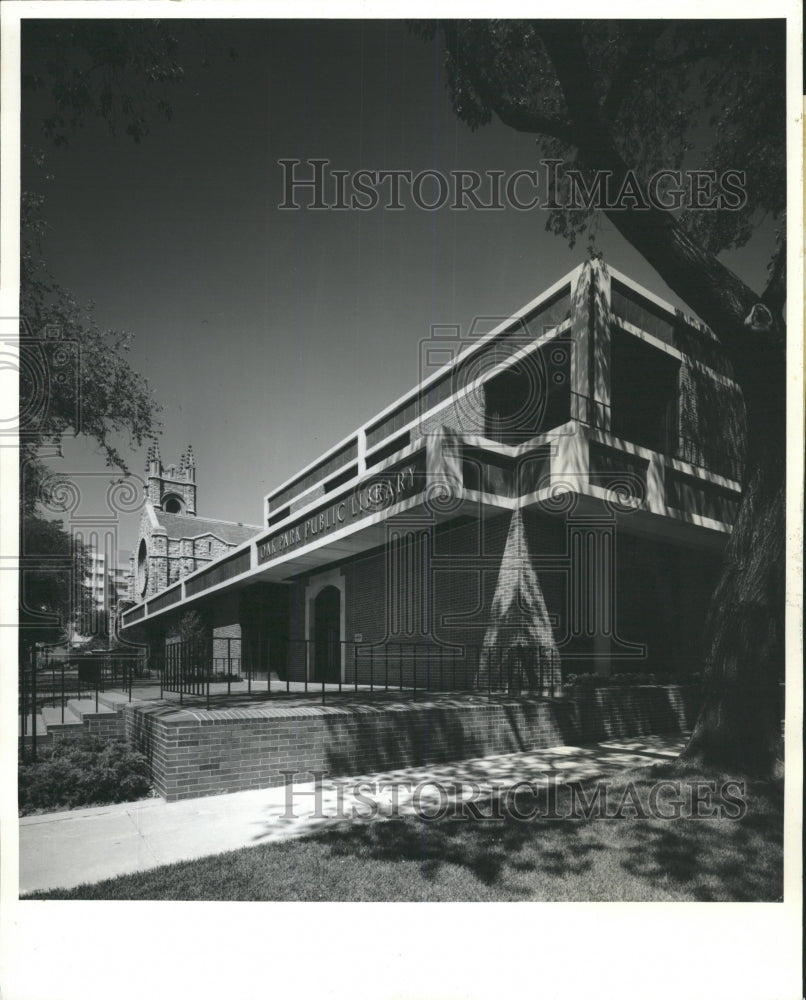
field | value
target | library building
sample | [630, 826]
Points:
[553, 497]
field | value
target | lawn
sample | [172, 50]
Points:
[627, 858]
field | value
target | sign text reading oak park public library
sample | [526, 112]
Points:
[387, 489]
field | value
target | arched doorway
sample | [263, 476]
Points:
[326, 635]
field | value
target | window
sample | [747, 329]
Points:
[172, 504]
[644, 393]
[142, 568]
[530, 396]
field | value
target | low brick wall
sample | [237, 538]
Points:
[105, 726]
[194, 753]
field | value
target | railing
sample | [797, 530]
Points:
[330, 667]
[291, 667]
[593, 413]
[52, 681]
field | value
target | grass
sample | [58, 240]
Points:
[409, 859]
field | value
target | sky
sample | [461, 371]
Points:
[269, 335]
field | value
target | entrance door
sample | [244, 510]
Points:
[326, 634]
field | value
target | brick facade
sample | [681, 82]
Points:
[104, 725]
[446, 599]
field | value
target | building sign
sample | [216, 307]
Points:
[378, 493]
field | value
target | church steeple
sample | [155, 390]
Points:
[170, 488]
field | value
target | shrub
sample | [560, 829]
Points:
[613, 680]
[590, 680]
[86, 771]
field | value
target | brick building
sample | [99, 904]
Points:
[559, 488]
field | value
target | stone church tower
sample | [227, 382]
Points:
[170, 488]
[173, 540]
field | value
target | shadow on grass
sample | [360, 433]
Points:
[569, 859]
[598, 859]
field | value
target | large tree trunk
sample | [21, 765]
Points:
[739, 725]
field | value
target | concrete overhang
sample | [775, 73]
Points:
[596, 507]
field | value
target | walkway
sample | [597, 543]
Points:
[61, 850]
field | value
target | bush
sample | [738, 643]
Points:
[613, 680]
[590, 680]
[86, 771]
[635, 678]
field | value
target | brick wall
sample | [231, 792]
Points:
[104, 726]
[437, 591]
[199, 753]
[227, 648]
[435, 588]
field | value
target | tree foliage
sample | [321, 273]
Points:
[618, 95]
[118, 71]
[194, 630]
[89, 387]
[53, 568]
[76, 378]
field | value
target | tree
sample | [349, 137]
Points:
[191, 627]
[75, 377]
[116, 70]
[632, 98]
[120, 72]
[51, 583]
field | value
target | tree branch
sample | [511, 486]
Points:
[774, 295]
[516, 116]
[631, 68]
[711, 289]
[524, 119]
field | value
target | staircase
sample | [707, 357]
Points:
[77, 717]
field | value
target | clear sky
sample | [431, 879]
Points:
[269, 335]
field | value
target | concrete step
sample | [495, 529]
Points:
[113, 700]
[72, 723]
[86, 706]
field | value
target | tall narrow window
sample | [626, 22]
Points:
[644, 393]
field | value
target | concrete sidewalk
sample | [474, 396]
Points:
[61, 850]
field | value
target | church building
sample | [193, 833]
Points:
[174, 541]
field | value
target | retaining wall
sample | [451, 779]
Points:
[194, 752]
